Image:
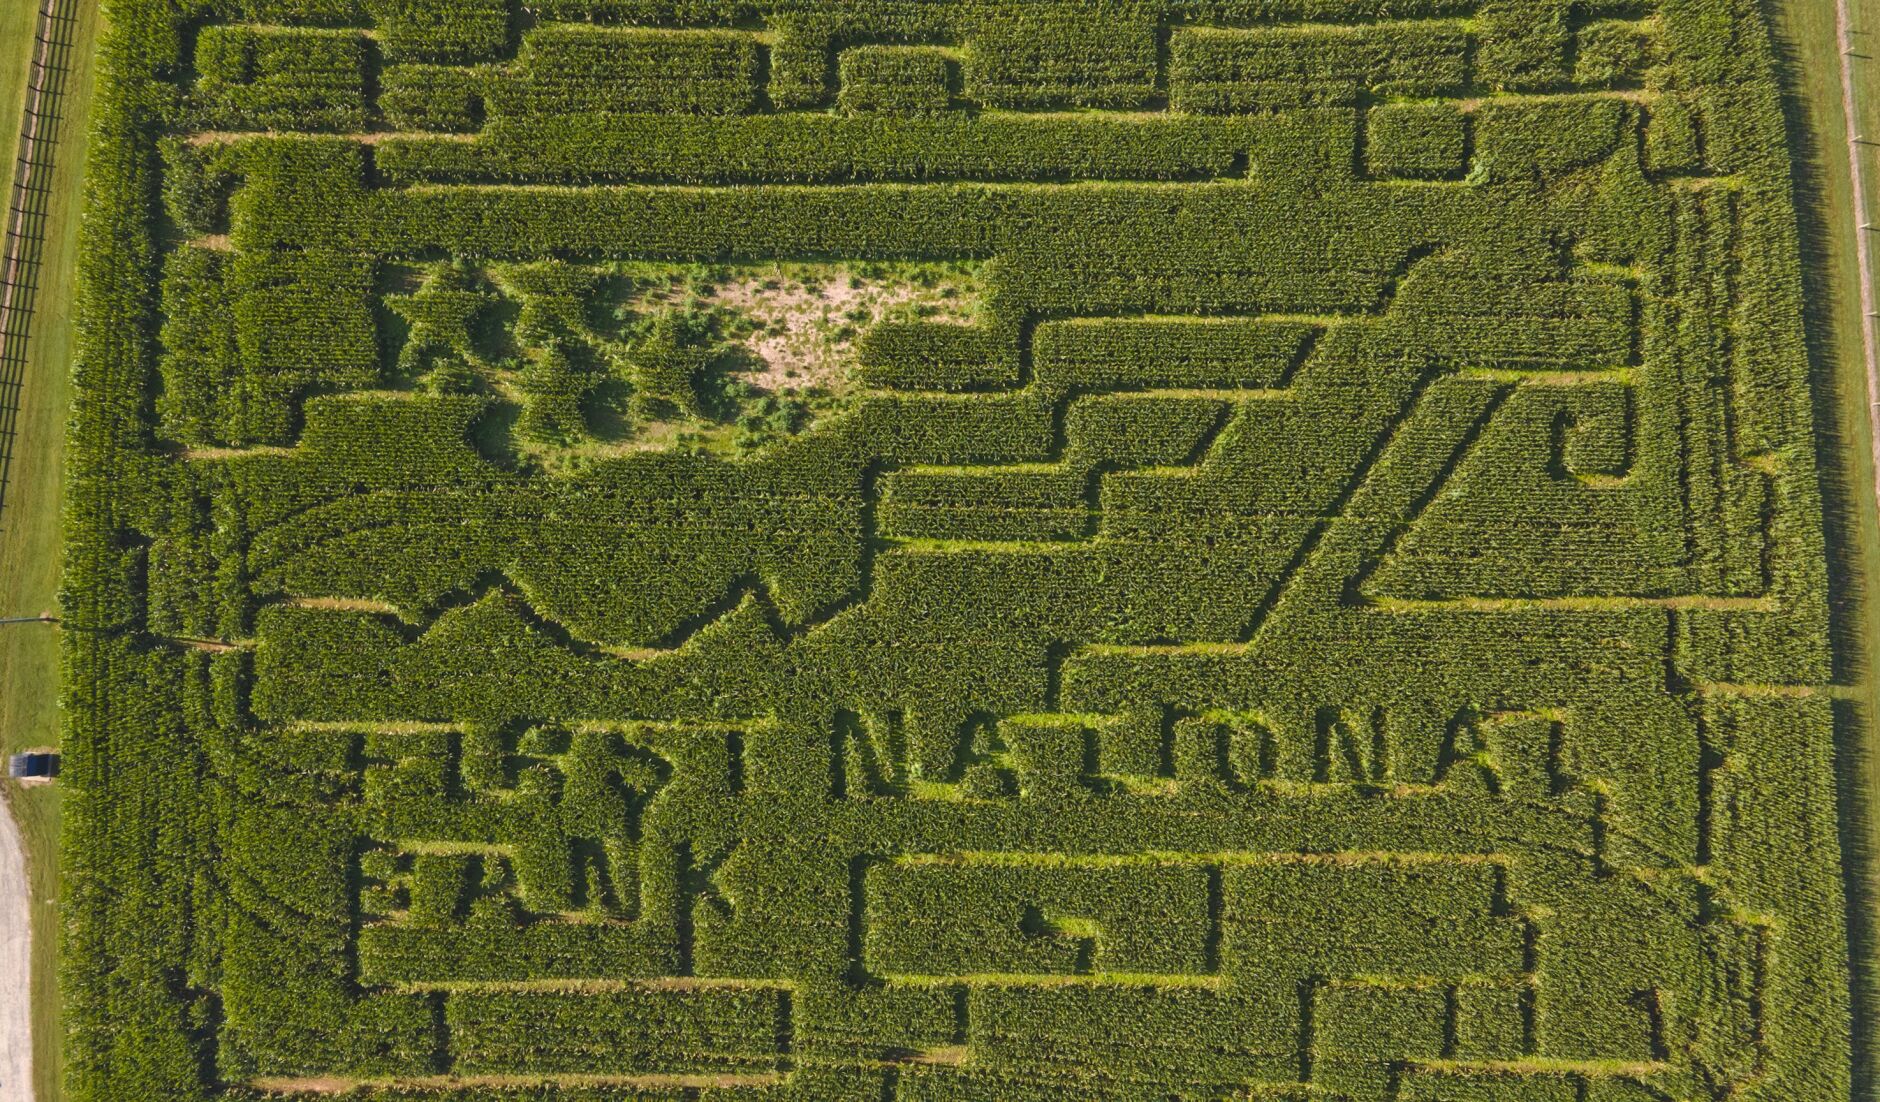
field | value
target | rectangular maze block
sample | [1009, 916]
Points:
[1202, 1035]
[985, 504]
[281, 78]
[898, 80]
[634, 1031]
[1358, 1029]
[1216, 70]
[599, 71]
[1343, 917]
[455, 31]
[1085, 354]
[938, 919]
[1416, 141]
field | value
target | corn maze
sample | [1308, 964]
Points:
[1297, 574]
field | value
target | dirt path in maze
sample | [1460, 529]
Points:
[16, 1017]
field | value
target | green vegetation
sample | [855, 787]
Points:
[29, 516]
[1809, 42]
[997, 549]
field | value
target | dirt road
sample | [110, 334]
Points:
[1844, 24]
[16, 1002]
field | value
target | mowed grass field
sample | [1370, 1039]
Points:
[29, 515]
[1806, 31]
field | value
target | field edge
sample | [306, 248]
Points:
[30, 538]
[1809, 59]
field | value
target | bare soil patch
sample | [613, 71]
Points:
[810, 318]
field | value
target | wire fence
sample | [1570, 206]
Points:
[29, 206]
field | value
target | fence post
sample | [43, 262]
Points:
[25, 230]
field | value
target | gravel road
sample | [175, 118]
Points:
[16, 1013]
